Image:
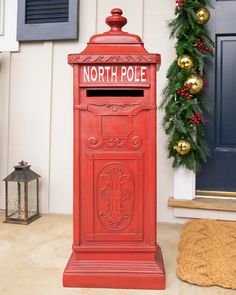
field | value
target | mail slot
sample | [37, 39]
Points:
[114, 214]
[114, 92]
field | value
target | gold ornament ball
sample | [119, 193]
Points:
[203, 15]
[195, 82]
[183, 147]
[185, 62]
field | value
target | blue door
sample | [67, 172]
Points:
[219, 174]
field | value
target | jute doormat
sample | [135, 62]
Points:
[207, 253]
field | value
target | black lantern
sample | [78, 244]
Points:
[22, 195]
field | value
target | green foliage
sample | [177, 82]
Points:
[180, 112]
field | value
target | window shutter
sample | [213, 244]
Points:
[47, 20]
[46, 11]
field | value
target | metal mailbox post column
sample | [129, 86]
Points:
[114, 218]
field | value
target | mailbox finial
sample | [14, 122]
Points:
[116, 21]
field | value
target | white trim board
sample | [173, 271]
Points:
[184, 184]
[2, 2]
[200, 213]
[8, 25]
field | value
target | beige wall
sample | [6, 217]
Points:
[36, 100]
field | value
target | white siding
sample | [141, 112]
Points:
[61, 164]
[36, 100]
[5, 77]
[156, 39]
[29, 110]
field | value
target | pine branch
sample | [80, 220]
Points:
[184, 117]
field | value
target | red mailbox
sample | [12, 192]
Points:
[114, 219]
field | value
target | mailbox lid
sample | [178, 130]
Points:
[115, 45]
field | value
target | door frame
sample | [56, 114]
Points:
[184, 184]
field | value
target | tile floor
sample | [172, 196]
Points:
[32, 259]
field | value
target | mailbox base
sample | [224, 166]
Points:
[115, 274]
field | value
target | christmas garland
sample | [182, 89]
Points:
[184, 121]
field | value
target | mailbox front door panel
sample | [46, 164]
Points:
[117, 186]
[115, 156]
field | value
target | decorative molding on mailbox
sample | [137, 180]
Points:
[117, 142]
[109, 108]
[114, 59]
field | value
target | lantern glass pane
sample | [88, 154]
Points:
[32, 194]
[15, 200]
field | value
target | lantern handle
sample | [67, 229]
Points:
[23, 163]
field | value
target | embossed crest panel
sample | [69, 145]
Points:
[117, 189]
